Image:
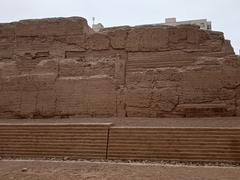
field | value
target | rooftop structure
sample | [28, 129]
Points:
[203, 23]
[97, 27]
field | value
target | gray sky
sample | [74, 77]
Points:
[224, 14]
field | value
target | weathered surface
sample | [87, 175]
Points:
[51, 140]
[187, 144]
[60, 67]
[177, 139]
[47, 170]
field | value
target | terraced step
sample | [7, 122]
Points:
[117, 142]
[39, 140]
[192, 144]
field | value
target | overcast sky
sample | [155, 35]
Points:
[224, 14]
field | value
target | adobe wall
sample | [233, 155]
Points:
[60, 68]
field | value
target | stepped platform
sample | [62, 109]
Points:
[184, 139]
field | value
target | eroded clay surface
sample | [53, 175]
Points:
[61, 68]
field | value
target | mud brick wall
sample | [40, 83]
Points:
[60, 68]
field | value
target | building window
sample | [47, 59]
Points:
[209, 27]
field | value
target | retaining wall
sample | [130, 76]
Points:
[106, 142]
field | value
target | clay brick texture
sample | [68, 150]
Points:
[60, 67]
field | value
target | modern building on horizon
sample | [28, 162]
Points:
[202, 23]
[97, 27]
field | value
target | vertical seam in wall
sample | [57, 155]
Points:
[116, 103]
[107, 145]
[87, 94]
[125, 70]
[125, 84]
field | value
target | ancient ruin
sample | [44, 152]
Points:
[60, 69]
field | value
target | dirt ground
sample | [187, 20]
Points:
[225, 122]
[70, 170]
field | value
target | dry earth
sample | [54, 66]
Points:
[68, 170]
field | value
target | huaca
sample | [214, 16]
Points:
[150, 92]
[61, 68]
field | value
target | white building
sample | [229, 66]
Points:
[97, 27]
[203, 23]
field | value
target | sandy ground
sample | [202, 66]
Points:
[222, 122]
[69, 170]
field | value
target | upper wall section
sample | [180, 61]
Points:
[46, 27]
[61, 67]
[167, 38]
[131, 39]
